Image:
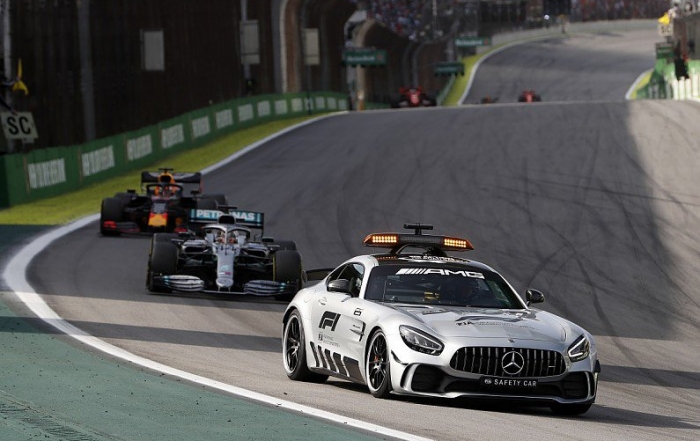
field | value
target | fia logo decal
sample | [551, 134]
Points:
[329, 320]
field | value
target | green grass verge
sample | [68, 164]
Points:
[641, 84]
[460, 84]
[70, 206]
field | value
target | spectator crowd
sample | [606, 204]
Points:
[413, 19]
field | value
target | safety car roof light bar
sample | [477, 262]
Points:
[418, 228]
[398, 241]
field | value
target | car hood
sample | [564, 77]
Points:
[530, 324]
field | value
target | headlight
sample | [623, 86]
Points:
[420, 341]
[580, 349]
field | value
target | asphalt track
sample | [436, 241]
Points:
[588, 197]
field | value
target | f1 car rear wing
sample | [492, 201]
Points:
[180, 178]
[250, 219]
[191, 182]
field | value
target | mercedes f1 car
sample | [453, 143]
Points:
[416, 321]
[224, 257]
[413, 97]
[164, 205]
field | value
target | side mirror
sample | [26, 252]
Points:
[533, 296]
[339, 285]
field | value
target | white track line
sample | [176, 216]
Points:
[633, 87]
[15, 276]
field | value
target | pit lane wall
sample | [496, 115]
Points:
[54, 171]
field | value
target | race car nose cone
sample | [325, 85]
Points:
[224, 282]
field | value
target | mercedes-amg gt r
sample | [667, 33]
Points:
[416, 321]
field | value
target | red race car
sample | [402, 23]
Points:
[528, 96]
[413, 97]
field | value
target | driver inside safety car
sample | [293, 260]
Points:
[460, 290]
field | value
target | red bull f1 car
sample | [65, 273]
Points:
[166, 201]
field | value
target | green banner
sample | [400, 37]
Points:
[364, 57]
[449, 68]
[472, 41]
[56, 170]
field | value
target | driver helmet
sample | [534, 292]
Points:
[166, 181]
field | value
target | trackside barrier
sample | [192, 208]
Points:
[683, 88]
[663, 83]
[57, 170]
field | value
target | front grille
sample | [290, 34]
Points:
[489, 361]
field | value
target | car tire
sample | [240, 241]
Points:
[570, 409]
[286, 267]
[112, 210]
[377, 366]
[162, 261]
[124, 197]
[294, 351]
[164, 237]
[286, 245]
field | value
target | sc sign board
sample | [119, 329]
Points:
[18, 125]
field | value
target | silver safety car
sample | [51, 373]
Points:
[417, 321]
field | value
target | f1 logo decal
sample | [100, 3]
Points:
[329, 320]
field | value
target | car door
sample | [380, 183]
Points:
[338, 330]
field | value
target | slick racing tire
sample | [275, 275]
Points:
[570, 409]
[162, 261]
[377, 369]
[286, 267]
[286, 244]
[294, 352]
[124, 197]
[112, 211]
[164, 237]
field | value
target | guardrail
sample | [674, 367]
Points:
[57, 170]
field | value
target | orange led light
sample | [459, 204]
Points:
[393, 240]
[382, 239]
[455, 242]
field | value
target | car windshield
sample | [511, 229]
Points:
[449, 285]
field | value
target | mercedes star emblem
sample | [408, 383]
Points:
[512, 362]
